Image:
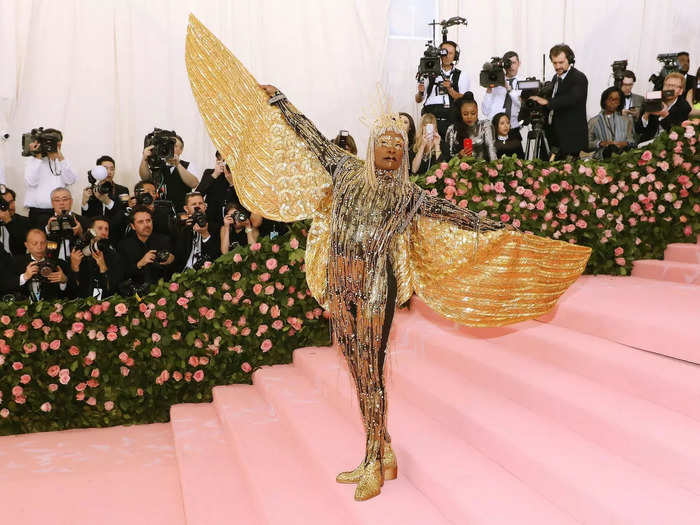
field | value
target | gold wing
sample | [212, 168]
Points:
[274, 171]
[506, 278]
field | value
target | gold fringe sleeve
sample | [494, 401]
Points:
[274, 171]
[318, 245]
[506, 278]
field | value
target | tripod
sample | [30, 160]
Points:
[536, 140]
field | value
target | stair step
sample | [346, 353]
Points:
[682, 252]
[590, 483]
[678, 272]
[467, 486]
[656, 439]
[657, 316]
[279, 479]
[335, 444]
[213, 487]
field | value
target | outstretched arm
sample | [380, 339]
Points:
[444, 210]
[328, 153]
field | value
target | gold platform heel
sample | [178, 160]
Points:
[370, 484]
[388, 464]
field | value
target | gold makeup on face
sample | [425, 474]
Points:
[387, 141]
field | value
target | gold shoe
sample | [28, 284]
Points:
[370, 484]
[388, 465]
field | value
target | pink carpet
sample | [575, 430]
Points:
[681, 264]
[589, 416]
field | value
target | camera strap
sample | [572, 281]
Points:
[54, 169]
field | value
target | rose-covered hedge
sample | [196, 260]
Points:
[629, 207]
[85, 363]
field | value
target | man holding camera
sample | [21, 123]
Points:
[675, 109]
[568, 126]
[163, 218]
[46, 169]
[177, 177]
[238, 228]
[39, 276]
[147, 255]
[13, 227]
[195, 243]
[95, 266]
[505, 99]
[443, 89]
[104, 197]
[217, 188]
[63, 227]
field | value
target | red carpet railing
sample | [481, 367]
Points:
[626, 208]
[84, 363]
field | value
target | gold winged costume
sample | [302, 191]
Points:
[375, 239]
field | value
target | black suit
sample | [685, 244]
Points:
[132, 250]
[17, 230]
[116, 216]
[216, 191]
[690, 81]
[47, 291]
[61, 241]
[183, 247]
[88, 277]
[569, 127]
[676, 115]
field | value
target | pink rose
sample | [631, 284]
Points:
[265, 277]
[293, 243]
[91, 401]
[37, 323]
[257, 288]
[245, 367]
[264, 308]
[431, 179]
[182, 301]
[646, 156]
[193, 361]
[17, 366]
[64, 376]
[120, 309]
[109, 405]
[620, 261]
[275, 312]
[271, 264]
[266, 345]
[198, 375]
[53, 387]
[237, 258]
[55, 344]
[176, 336]
[619, 251]
[25, 378]
[277, 325]
[255, 247]
[77, 327]
[53, 370]
[45, 407]
[155, 352]
[20, 312]
[5, 320]
[177, 376]
[174, 287]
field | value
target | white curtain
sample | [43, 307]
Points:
[599, 32]
[106, 72]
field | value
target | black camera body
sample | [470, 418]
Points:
[494, 72]
[430, 64]
[63, 226]
[89, 244]
[45, 267]
[199, 218]
[238, 213]
[48, 142]
[143, 198]
[670, 64]
[163, 142]
[618, 68]
[104, 187]
[530, 111]
[161, 256]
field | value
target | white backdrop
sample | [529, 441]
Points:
[105, 72]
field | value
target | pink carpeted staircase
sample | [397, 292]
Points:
[590, 415]
[681, 264]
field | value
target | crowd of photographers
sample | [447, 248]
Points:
[120, 242]
[530, 118]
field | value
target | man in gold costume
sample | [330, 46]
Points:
[376, 238]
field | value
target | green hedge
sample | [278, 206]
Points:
[627, 208]
[84, 363]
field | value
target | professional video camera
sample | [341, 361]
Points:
[494, 73]
[48, 141]
[618, 67]
[430, 65]
[63, 226]
[90, 244]
[530, 111]
[653, 101]
[163, 143]
[670, 64]
[97, 177]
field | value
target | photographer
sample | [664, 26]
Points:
[684, 68]
[38, 275]
[147, 255]
[675, 109]
[217, 187]
[505, 99]
[442, 91]
[568, 128]
[13, 227]
[95, 266]
[163, 217]
[632, 103]
[104, 197]
[609, 131]
[176, 178]
[237, 229]
[45, 170]
[195, 244]
[345, 141]
[64, 228]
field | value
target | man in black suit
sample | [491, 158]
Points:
[568, 127]
[675, 109]
[13, 227]
[39, 275]
[64, 228]
[632, 103]
[96, 269]
[110, 204]
[684, 68]
[195, 243]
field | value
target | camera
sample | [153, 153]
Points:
[4, 205]
[494, 73]
[63, 225]
[161, 256]
[430, 64]
[199, 218]
[48, 141]
[45, 268]
[530, 111]
[144, 198]
[237, 213]
[163, 142]
[130, 288]
[97, 177]
[669, 63]
[653, 101]
[90, 244]
[618, 67]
